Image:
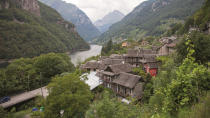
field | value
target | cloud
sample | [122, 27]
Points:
[96, 9]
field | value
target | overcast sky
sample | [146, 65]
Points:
[96, 9]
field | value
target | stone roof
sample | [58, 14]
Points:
[115, 56]
[127, 80]
[103, 57]
[147, 51]
[138, 91]
[146, 56]
[107, 73]
[106, 62]
[118, 68]
[91, 64]
[167, 40]
[109, 61]
[171, 45]
[132, 53]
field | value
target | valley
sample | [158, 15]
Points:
[130, 59]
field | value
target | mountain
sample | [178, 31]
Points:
[151, 18]
[201, 19]
[111, 18]
[73, 14]
[29, 28]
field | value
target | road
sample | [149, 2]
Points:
[24, 97]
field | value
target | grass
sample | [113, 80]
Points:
[21, 114]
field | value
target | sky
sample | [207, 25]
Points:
[97, 9]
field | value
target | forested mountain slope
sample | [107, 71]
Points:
[73, 14]
[151, 18]
[29, 28]
[200, 20]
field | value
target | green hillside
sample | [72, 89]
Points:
[152, 18]
[23, 34]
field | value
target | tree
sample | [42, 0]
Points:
[53, 64]
[70, 94]
[201, 44]
[191, 81]
[24, 74]
[107, 48]
[200, 110]
[111, 108]
[3, 113]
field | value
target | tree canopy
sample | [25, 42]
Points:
[70, 94]
[26, 74]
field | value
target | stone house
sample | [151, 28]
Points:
[108, 61]
[128, 85]
[166, 49]
[147, 52]
[90, 66]
[112, 72]
[125, 44]
[133, 57]
[150, 65]
[116, 56]
[144, 43]
[167, 40]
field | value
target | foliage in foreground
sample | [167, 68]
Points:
[180, 87]
[201, 46]
[200, 110]
[67, 93]
[110, 107]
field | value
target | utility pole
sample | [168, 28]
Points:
[41, 83]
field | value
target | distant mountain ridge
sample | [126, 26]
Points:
[29, 28]
[151, 18]
[111, 18]
[73, 14]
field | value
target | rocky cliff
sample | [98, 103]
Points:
[30, 5]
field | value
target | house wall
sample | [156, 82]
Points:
[146, 68]
[164, 50]
[153, 72]
[171, 50]
[134, 61]
[107, 80]
[123, 91]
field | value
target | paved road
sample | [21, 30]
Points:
[24, 97]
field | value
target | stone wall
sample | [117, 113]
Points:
[164, 50]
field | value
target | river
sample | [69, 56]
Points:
[83, 55]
